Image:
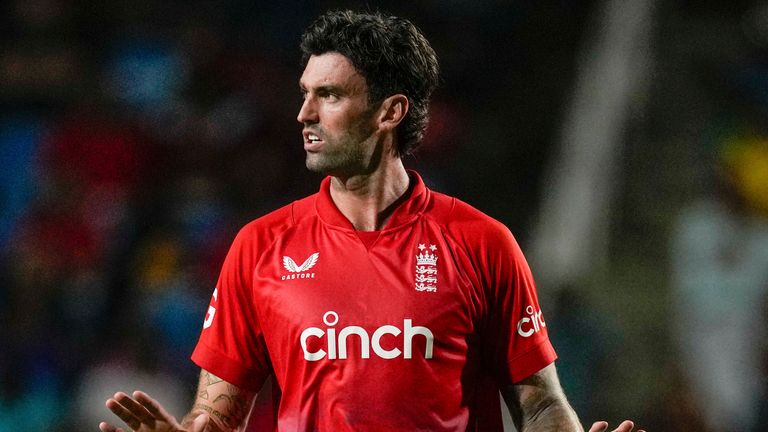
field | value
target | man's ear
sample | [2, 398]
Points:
[393, 111]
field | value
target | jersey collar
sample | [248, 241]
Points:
[406, 212]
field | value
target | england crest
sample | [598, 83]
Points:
[426, 268]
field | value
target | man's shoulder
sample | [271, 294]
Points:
[456, 215]
[274, 223]
[480, 235]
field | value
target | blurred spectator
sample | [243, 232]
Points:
[720, 281]
[175, 267]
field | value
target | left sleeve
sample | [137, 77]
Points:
[516, 340]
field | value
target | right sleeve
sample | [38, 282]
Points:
[231, 344]
[516, 339]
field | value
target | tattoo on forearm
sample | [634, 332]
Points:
[225, 419]
[211, 379]
[235, 403]
[227, 404]
[535, 402]
[538, 403]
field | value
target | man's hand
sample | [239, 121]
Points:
[602, 426]
[144, 414]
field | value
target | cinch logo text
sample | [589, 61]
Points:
[336, 343]
[531, 324]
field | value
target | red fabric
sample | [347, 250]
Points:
[345, 328]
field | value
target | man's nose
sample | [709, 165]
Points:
[307, 113]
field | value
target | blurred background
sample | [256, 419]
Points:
[624, 142]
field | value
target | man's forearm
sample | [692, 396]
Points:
[538, 404]
[226, 405]
[554, 414]
[215, 423]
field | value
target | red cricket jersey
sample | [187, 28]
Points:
[414, 327]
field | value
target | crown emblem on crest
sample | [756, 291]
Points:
[426, 268]
[426, 258]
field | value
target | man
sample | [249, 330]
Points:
[375, 304]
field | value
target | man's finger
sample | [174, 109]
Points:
[151, 405]
[600, 426]
[200, 423]
[125, 415]
[136, 409]
[106, 427]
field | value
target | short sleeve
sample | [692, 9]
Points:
[516, 340]
[231, 344]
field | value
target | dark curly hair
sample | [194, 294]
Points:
[390, 53]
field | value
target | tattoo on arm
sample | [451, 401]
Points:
[236, 404]
[538, 402]
[227, 405]
[223, 418]
[537, 399]
[211, 379]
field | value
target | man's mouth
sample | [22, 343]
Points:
[311, 141]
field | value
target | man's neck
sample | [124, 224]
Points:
[369, 200]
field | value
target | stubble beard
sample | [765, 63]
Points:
[346, 156]
[339, 161]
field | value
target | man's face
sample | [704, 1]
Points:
[339, 125]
